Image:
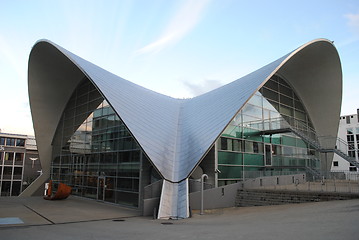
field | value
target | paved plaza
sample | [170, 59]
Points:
[76, 218]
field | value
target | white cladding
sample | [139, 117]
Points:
[176, 134]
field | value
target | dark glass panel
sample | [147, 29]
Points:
[230, 158]
[229, 172]
[10, 141]
[269, 94]
[20, 142]
[5, 188]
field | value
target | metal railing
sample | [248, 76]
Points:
[340, 182]
[259, 174]
[305, 132]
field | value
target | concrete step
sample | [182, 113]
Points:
[259, 197]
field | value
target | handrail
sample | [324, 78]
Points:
[305, 132]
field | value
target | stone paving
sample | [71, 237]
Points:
[77, 218]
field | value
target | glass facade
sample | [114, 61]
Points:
[93, 152]
[259, 141]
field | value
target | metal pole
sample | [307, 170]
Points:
[202, 184]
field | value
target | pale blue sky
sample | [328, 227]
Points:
[179, 48]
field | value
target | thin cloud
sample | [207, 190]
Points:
[353, 22]
[8, 53]
[186, 18]
[353, 25]
[200, 88]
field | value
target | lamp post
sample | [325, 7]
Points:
[202, 184]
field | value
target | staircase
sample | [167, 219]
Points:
[314, 172]
[322, 144]
[340, 147]
[346, 157]
[261, 197]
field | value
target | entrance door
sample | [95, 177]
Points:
[268, 154]
[101, 188]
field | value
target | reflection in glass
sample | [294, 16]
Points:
[266, 119]
[92, 146]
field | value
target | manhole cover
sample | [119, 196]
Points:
[166, 223]
[118, 220]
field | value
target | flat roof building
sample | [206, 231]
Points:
[110, 139]
[19, 163]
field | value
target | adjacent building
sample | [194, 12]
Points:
[111, 140]
[349, 133]
[19, 163]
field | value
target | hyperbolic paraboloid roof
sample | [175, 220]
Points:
[177, 133]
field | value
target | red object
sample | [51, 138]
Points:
[63, 191]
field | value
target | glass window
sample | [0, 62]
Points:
[237, 145]
[282, 81]
[256, 100]
[263, 125]
[250, 120]
[286, 100]
[253, 159]
[16, 186]
[230, 172]
[96, 140]
[286, 91]
[253, 111]
[270, 105]
[229, 144]
[300, 115]
[351, 154]
[286, 110]
[350, 138]
[248, 147]
[2, 141]
[17, 171]
[276, 149]
[349, 131]
[348, 119]
[19, 158]
[230, 158]
[10, 142]
[20, 142]
[7, 172]
[269, 94]
[257, 147]
[5, 188]
[272, 85]
[275, 78]
[288, 151]
[298, 105]
[9, 156]
[352, 169]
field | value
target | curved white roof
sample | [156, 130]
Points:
[174, 133]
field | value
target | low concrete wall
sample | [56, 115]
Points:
[225, 196]
[220, 197]
[149, 206]
[264, 197]
[274, 180]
